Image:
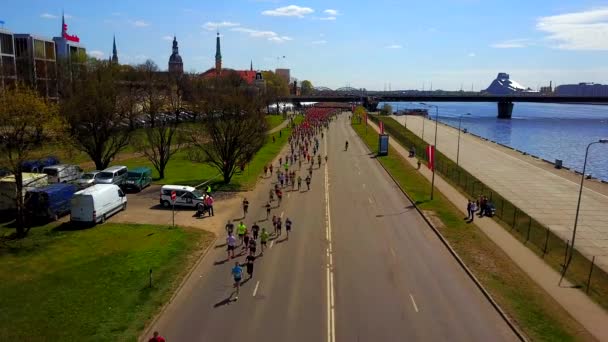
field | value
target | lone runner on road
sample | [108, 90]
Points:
[237, 273]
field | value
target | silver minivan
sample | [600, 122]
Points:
[112, 175]
[62, 173]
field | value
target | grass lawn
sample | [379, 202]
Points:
[182, 171]
[274, 120]
[534, 311]
[92, 284]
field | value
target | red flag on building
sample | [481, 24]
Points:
[381, 127]
[430, 153]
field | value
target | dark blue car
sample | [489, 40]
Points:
[49, 202]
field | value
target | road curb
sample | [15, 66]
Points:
[147, 331]
[485, 293]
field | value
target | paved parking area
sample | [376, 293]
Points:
[144, 207]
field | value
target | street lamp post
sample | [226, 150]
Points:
[458, 149]
[578, 205]
[435, 146]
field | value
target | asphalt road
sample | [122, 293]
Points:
[367, 269]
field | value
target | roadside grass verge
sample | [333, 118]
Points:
[539, 316]
[65, 284]
[528, 231]
[273, 120]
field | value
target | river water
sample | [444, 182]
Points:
[550, 131]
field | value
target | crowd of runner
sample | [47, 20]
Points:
[303, 152]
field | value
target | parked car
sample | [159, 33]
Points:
[62, 173]
[96, 203]
[112, 175]
[37, 165]
[186, 196]
[87, 179]
[49, 202]
[138, 178]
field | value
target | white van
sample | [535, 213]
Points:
[186, 196]
[112, 175]
[62, 173]
[97, 203]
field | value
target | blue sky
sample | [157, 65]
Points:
[404, 44]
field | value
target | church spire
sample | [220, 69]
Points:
[114, 52]
[251, 66]
[63, 26]
[218, 55]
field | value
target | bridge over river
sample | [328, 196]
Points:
[504, 103]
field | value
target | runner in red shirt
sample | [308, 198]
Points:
[157, 338]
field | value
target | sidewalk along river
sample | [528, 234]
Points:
[549, 131]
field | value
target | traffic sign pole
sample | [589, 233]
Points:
[173, 198]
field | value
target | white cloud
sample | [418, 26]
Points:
[140, 23]
[587, 30]
[48, 16]
[211, 26]
[167, 37]
[511, 44]
[96, 54]
[319, 42]
[328, 18]
[289, 11]
[331, 12]
[269, 35]
[394, 46]
[68, 16]
[471, 54]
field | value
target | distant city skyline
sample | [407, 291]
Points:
[449, 43]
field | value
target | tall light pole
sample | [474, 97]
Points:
[458, 149]
[434, 146]
[578, 205]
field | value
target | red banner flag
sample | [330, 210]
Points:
[381, 127]
[430, 153]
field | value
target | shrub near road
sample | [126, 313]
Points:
[91, 284]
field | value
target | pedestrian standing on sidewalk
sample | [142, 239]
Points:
[473, 210]
[469, 212]
[271, 168]
[419, 164]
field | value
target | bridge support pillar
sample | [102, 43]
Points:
[370, 104]
[505, 109]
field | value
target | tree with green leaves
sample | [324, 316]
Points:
[306, 88]
[276, 87]
[387, 109]
[25, 118]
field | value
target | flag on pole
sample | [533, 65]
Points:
[430, 153]
[381, 127]
[1, 22]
